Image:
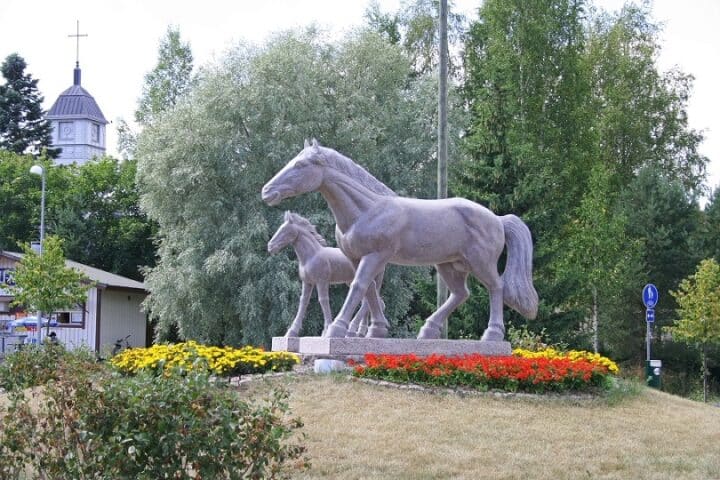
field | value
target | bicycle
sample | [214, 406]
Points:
[121, 344]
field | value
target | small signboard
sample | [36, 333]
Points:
[650, 295]
[6, 279]
[650, 315]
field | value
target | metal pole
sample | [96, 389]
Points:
[648, 334]
[442, 137]
[42, 240]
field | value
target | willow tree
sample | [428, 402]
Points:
[202, 165]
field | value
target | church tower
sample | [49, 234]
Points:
[78, 124]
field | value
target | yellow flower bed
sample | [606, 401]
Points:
[192, 355]
[551, 353]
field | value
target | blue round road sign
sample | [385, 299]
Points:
[650, 295]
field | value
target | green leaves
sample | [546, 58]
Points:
[168, 81]
[698, 299]
[43, 282]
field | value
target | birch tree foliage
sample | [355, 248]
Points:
[201, 168]
[698, 298]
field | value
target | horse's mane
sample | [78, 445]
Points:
[305, 224]
[340, 162]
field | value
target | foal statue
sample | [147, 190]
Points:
[375, 226]
[320, 266]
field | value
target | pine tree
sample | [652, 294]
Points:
[23, 127]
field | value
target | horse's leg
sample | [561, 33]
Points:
[455, 281]
[370, 266]
[486, 272]
[379, 327]
[296, 325]
[324, 299]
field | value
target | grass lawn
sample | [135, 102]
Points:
[362, 431]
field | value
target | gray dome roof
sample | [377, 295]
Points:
[76, 102]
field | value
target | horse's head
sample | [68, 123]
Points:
[285, 235]
[302, 174]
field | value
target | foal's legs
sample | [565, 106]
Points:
[370, 266]
[323, 290]
[455, 280]
[294, 330]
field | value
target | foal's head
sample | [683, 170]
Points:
[293, 226]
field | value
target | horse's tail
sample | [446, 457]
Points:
[518, 290]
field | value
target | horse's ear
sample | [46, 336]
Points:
[307, 144]
[315, 144]
[288, 216]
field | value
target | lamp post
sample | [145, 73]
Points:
[39, 170]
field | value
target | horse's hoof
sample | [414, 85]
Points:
[335, 331]
[493, 334]
[377, 332]
[428, 333]
[350, 334]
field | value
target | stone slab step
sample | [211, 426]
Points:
[360, 346]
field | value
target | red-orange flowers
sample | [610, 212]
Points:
[483, 372]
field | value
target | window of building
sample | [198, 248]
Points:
[71, 317]
[95, 133]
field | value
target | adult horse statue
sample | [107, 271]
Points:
[375, 226]
[320, 266]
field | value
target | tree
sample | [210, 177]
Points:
[557, 90]
[415, 27]
[708, 235]
[19, 200]
[595, 250]
[100, 221]
[698, 299]
[640, 112]
[23, 127]
[244, 120]
[168, 81]
[164, 86]
[528, 139]
[43, 283]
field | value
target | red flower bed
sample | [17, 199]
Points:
[484, 372]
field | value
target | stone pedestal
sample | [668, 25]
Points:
[353, 347]
[285, 344]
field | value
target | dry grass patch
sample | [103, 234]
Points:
[361, 431]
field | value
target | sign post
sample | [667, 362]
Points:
[652, 367]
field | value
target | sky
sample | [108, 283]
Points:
[124, 35]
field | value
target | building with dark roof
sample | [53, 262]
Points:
[78, 124]
[112, 310]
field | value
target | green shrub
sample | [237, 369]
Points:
[147, 427]
[36, 365]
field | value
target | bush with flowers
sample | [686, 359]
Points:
[550, 352]
[190, 356]
[558, 372]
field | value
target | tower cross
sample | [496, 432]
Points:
[77, 36]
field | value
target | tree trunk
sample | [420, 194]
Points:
[595, 326]
[704, 372]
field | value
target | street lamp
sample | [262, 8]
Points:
[38, 170]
